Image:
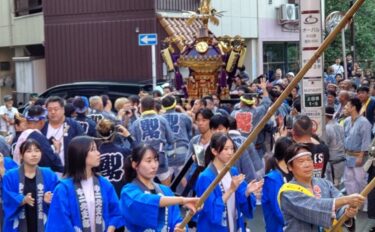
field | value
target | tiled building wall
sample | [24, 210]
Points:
[90, 40]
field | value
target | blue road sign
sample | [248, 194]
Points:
[147, 39]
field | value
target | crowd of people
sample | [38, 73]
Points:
[85, 164]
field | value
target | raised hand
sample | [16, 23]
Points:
[254, 187]
[122, 130]
[263, 83]
[236, 181]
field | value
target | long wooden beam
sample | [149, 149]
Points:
[343, 218]
[330, 38]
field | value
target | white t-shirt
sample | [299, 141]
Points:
[58, 134]
[337, 69]
[88, 190]
[231, 203]
[4, 126]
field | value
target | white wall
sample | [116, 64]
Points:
[17, 31]
[240, 18]
[31, 76]
[267, 10]
[269, 29]
[28, 29]
[4, 23]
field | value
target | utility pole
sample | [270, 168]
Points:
[352, 36]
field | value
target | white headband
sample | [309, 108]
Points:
[300, 155]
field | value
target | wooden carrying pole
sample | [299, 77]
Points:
[274, 107]
[343, 218]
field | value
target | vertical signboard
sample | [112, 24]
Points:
[312, 84]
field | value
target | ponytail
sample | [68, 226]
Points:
[281, 146]
[208, 156]
[130, 173]
[270, 163]
[136, 156]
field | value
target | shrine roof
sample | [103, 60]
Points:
[177, 27]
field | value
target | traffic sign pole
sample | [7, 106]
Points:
[153, 60]
[344, 54]
[150, 40]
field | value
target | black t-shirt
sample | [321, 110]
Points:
[320, 156]
[31, 212]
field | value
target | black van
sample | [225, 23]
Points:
[114, 90]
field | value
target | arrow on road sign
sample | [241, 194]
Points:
[147, 39]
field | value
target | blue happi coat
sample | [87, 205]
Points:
[244, 164]
[210, 218]
[271, 210]
[154, 130]
[181, 127]
[12, 199]
[112, 164]
[9, 164]
[49, 158]
[88, 125]
[142, 212]
[65, 216]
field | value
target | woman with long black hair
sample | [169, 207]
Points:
[232, 199]
[146, 205]
[276, 175]
[84, 201]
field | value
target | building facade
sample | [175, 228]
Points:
[52, 42]
[98, 40]
[270, 28]
[22, 63]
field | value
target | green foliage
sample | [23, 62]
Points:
[364, 40]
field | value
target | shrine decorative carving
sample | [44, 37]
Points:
[212, 61]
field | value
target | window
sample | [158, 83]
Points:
[283, 55]
[26, 7]
[4, 66]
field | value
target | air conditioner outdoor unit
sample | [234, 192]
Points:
[288, 12]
